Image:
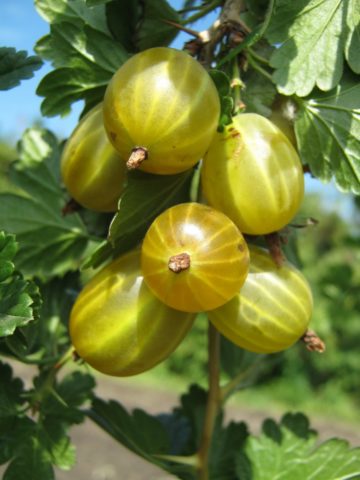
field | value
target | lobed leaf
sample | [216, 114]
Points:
[64, 86]
[76, 12]
[293, 453]
[19, 298]
[227, 443]
[16, 66]
[313, 37]
[83, 52]
[69, 45]
[33, 448]
[57, 443]
[31, 458]
[140, 432]
[51, 244]
[74, 390]
[327, 129]
[37, 447]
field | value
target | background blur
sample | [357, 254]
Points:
[328, 253]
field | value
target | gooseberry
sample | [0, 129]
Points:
[91, 168]
[119, 327]
[271, 311]
[161, 109]
[253, 174]
[194, 258]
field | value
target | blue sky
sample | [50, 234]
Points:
[21, 27]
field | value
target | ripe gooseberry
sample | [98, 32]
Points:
[271, 311]
[161, 108]
[119, 327]
[253, 174]
[91, 168]
[194, 258]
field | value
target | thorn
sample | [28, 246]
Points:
[190, 31]
[309, 222]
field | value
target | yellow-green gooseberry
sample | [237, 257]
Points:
[119, 327]
[161, 110]
[91, 168]
[194, 258]
[271, 311]
[253, 174]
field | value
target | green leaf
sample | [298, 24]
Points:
[69, 45]
[83, 52]
[92, 3]
[227, 442]
[76, 12]
[50, 243]
[64, 86]
[313, 36]
[140, 432]
[258, 94]
[56, 441]
[74, 390]
[327, 129]
[16, 66]
[13, 431]
[123, 18]
[8, 249]
[222, 83]
[178, 431]
[153, 31]
[19, 298]
[49, 338]
[11, 391]
[33, 448]
[352, 47]
[235, 361]
[297, 455]
[32, 461]
[127, 429]
[144, 198]
[193, 406]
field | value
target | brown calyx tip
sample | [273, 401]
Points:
[72, 206]
[138, 155]
[313, 342]
[178, 263]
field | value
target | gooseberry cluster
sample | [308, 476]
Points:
[160, 115]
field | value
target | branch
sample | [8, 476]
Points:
[213, 403]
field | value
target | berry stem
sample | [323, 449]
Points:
[237, 85]
[213, 403]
